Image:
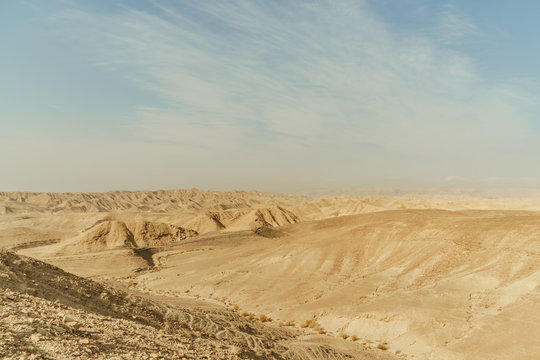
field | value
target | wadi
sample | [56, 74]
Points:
[191, 274]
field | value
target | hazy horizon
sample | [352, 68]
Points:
[275, 97]
[395, 192]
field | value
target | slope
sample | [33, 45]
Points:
[430, 283]
[46, 308]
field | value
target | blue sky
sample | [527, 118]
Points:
[275, 96]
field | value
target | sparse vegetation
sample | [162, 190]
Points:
[312, 324]
[279, 277]
[308, 324]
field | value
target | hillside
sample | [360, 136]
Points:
[147, 201]
[51, 217]
[429, 277]
[50, 314]
[430, 283]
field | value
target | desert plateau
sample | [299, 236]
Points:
[203, 274]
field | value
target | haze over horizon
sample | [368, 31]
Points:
[276, 97]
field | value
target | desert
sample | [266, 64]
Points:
[255, 275]
[251, 179]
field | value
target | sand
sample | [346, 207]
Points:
[406, 277]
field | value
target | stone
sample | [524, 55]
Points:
[67, 319]
[58, 329]
[42, 331]
[35, 337]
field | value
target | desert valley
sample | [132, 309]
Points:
[247, 275]
[346, 180]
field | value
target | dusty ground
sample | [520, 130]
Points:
[46, 313]
[405, 277]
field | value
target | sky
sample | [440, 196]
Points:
[278, 96]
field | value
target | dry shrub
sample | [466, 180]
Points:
[309, 324]
[313, 325]
[382, 346]
[264, 318]
[344, 336]
[354, 338]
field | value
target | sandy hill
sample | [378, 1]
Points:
[151, 201]
[430, 277]
[111, 234]
[205, 211]
[200, 211]
[114, 234]
[435, 284]
[194, 200]
[50, 314]
[126, 244]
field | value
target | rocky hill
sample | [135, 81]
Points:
[46, 313]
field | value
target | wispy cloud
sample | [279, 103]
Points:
[323, 76]
[455, 26]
